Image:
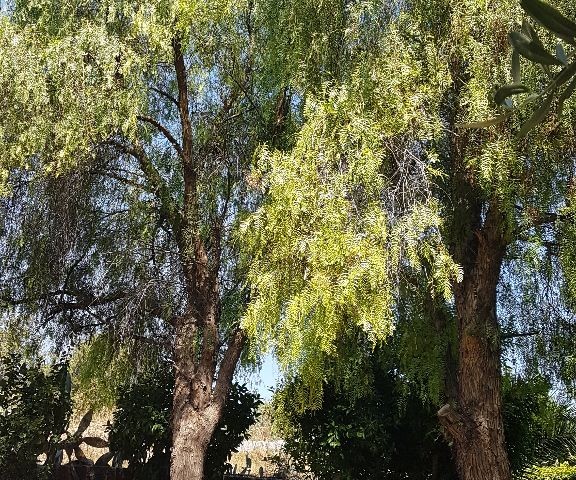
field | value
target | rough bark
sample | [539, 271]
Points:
[190, 439]
[472, 419]
[199, 397]
[475, 424]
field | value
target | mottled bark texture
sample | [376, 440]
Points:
[475, 424]
[477, 236]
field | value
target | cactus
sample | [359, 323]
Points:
[71, 444]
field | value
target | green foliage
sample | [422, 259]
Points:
[366, 201]
[567, 253]
[344, 215]
[526, 43]
[15, 337]
[385, 432]
[425, 349]
[560, 471]
[391, 430]
[100, 367]
[308, 43]
[61, 92]
[88, 245]
[34, 411]
[240, 412]
[141, 433]
[539, 429]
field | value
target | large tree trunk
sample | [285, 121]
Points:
[474, 423]
[192, 428]
[192, 425]
[190, 438]
[199, 398]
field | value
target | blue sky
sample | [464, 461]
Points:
[264, 380]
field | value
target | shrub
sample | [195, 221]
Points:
[561, 471]
[34, 411]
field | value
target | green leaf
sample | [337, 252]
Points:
[530, 49]
[568, 91]
[537, 117]
[561, 54]
[532, 98]
[516, 77]
[551, 19]
[508, 90]
[104, 459]
[528, 30]
[485, 123]
[84, 423]
[561, 78]
[95, 442]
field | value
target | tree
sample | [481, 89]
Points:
[126, 131]
[389, 429]
[385, 210]
[384, 431]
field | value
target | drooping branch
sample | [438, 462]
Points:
[168, 208]
[506, 336]
[82, 299]
[86, 300]
[540, 219]
[14, 302]
[161, 342]
[165, 95]
[124, 180]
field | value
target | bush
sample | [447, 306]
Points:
[34, 411]
[384, 433]
[561, 471]
[540, 431]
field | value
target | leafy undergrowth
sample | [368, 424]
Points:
[560, 471]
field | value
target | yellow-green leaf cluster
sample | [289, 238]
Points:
[61, 95]
[347, 213]
[560, 471]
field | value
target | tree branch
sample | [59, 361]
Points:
[529, 333]
[87, 300]
[164, 132]
[188, 251]
[182, 81]
[24, 300]
[168, 207]
[228, 365]
[124, 180]
[165, 95]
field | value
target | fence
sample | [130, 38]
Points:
[87, 472]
